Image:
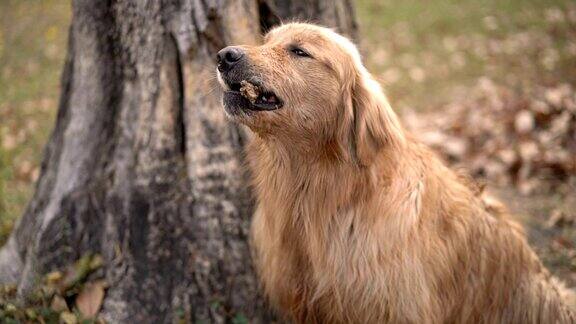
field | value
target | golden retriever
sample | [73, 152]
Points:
[356, 221]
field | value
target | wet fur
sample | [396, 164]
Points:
[358, 222]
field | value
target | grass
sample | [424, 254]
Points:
[33, 38]
[424, 51]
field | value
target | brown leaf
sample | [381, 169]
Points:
[417, 74]
[528, 150]
[24, 169]
[526, 138]
[53, 277]
[68, 318]
[9, 142]
[528, 186]
[508, 156]
[58, 304]
[524, 122]
[555, 95]
[34, 174]
[559, 218]
[90, 299]
[455, 147]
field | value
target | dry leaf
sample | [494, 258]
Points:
[527, 187]
[506, 136]
[9, 142]
[508, 156]
[528, 150]
[433, 138]
[455, 147]
[559, 218]
[554, 96]
[90, 299]
[53, 277]
[391, 75]
[24, 169]
[58, 304]
[68, 318]
[417, 74]
[35, 174]
[524, 122]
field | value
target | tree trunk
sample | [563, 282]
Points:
[142, 166]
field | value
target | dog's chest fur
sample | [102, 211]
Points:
[319, 249]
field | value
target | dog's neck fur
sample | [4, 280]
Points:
[319, 185]
[294, 169]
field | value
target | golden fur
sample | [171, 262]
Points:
[358, 222]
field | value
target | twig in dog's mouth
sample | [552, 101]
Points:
[249, 91]
[258, 97]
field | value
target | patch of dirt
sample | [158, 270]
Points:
[553, 241]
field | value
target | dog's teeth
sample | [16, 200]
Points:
[268, 99]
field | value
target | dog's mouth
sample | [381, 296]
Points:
[260, 99]
[249, 95]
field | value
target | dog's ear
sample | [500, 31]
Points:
[367, 122]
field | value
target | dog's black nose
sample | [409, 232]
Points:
[228, 57]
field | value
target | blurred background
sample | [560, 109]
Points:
[490, 84]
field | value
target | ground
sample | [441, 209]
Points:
[429, 55]
[33, 37]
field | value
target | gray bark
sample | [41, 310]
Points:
[142, 166]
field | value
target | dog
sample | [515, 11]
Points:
[356, 221]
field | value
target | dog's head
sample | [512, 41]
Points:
[307, 85]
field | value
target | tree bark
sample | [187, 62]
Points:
[143, 167]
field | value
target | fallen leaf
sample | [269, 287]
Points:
[524, 122]
[417, 74]
[24, 169]
[35, 174]
[559, 218]
[528, 150]
[53, 277]
[90, 298]
[68, 318]
[58, 304]
[490, 22]
[9, 142]
[455, 147]
[31, 313]
[96, 262]
[524, 137]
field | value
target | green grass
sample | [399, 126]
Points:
[33, 38]
[425, 51]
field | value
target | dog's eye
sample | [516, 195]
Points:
[299, 52]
